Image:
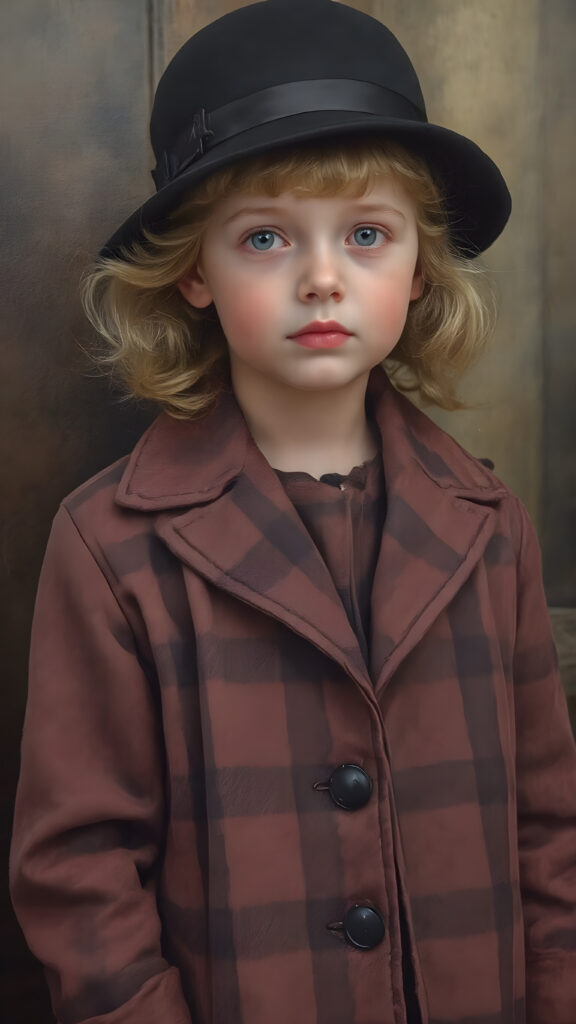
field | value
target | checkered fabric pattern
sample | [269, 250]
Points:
[344, 516]
[194, 676]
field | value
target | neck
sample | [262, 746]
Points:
[310, 431]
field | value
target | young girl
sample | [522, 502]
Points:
[296, 749]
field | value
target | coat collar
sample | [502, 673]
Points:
[222, 510]
[181, 463]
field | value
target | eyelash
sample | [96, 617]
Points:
[261, 231]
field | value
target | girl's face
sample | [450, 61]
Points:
[274, 266]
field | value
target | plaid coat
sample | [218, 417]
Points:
[194, 675]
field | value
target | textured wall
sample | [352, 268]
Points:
[558, 243]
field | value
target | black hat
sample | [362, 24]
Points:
[282, 72]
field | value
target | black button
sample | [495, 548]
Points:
[363, 927]
[350, 787]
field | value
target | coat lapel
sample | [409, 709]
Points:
[239, 530]
[439, 520]
[223, 512]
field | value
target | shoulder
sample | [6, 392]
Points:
[432, 450]
[440, 455]
[122, 542]
[99, 488]
[98, 495]
[95, 512]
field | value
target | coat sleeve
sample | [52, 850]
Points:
[546, 779]
[89, 811]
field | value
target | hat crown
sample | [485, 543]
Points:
[287, 72]
[272, 43]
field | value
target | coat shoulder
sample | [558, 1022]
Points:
[93, 508]
[442, 456]
[457, 471]
[98, 489]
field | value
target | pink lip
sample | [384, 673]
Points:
[321, 334]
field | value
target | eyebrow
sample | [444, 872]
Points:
[377, 208]
[259, 211]
[249, 211]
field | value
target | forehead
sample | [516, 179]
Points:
[386, 195]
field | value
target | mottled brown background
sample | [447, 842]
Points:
[77, 83]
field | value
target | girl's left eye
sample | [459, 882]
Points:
[367, 236]
[263, 241]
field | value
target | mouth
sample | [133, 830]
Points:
[321, 334]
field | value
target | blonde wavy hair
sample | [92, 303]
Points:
[158, 347]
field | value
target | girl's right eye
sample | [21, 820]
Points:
[263, 241]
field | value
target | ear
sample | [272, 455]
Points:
[417, 284]
[194, 288]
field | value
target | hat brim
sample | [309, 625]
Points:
[476, 197]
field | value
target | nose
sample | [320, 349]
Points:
[321, 277]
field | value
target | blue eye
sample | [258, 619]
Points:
[366, 236]
[262, 240]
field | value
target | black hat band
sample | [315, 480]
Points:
[208, 129]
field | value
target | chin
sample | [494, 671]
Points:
[324, 380]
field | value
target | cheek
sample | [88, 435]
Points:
[243, 312]
[390, 303]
